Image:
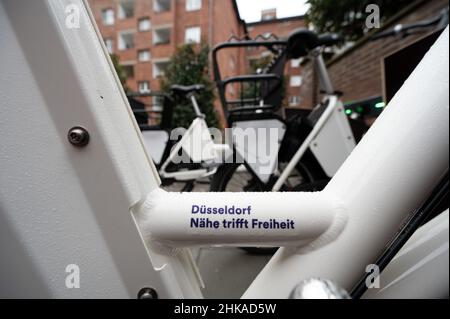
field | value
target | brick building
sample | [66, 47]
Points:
[144, 34]
[357, 71]
[281, 28]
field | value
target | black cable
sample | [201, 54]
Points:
[419, 217]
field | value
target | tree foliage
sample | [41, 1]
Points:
[120, 71]
[348, 17]
[188, 66]
[256, 65]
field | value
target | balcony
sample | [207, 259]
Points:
[160, 67]
[162, 35]
[126, 40]
[126, 9]
[162, 5]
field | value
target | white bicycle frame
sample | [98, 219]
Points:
[99, 207]
[196, 145]
[331, 139]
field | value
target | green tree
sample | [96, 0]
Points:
[120, 71]
[249, 89]
[348, 17]
[188, 66]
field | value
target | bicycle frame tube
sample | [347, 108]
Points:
[70, 205]
[388, 175]
[358, 213]
[324, 77]
[231, 219]
[332, 103]
[194, 132]
[197, 111]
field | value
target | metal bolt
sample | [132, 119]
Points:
[78, 136]
[147, 293]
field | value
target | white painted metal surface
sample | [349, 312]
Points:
[240, 219]
[254, 139]
[420, 270]
[333, 103]
[334, 142]
[197, 143]
[196, 146]
[155, 144]
[387, 176]
[60, 205]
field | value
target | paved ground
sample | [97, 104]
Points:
[226, 272]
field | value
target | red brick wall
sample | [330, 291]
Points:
[142, 40]
[358, 73]
[217, 18]
[226, 23]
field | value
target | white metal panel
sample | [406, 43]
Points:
[198, 143]
[335, 141]
[261, 156]
[60, 205]
[155, 144]
[420, 270]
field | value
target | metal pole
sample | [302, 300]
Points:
[197, 111]
[322, 72]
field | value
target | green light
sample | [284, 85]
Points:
[348, 112]
[359, 109]
[380, 105]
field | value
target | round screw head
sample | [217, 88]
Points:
[78, 136]
[147, 293]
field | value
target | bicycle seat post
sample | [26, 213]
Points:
[324, 77]
[197, 111]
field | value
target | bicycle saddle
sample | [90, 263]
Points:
[302, 41]
[185, 90]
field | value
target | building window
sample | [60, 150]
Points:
[128, 70]
[193, 35]
[294, 100]
[126, 9]
[144, 24]
[159, 68]
[162, 35]
[108, 16]
[193, 5]
[295, 63]
[158, 103]
[144, 87]
[126, 40]
[296, 81]
[161, 5]
[109, 43]
[144, 56]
